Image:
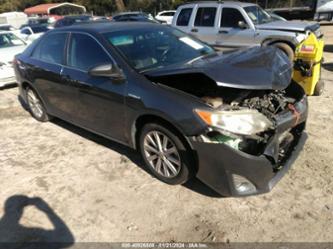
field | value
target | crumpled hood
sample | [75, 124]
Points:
[300, 26]
[256, 68]
[7, 54]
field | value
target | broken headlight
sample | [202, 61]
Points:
[241, 122]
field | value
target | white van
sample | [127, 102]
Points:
[15, 19]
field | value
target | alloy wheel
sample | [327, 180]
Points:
[35, 104]
[162, 154]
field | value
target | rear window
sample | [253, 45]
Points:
[205, 17]
[51, 48]
[184, 17]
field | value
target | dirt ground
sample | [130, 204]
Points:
[98, 191]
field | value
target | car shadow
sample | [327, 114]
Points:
[328, 48]
[9, 86]
[194, 184]
[328, 66]
[326, 24]
[15, 235]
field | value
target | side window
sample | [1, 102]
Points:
[231, 17]
[85, 53]
[51, 48]
[184, 17]
[205, 17]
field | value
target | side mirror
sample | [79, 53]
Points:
[242, 25]
[107, 70]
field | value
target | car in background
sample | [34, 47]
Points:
[10, 45]
[6, 27]
[233, 120]
[232, 24]
[134, 17]
[33, 31]
[70, 20]
[165, 16]
[100, 18]
[39, 21]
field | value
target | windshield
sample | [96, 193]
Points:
[10, 40]
[147, 48]
[258, 15]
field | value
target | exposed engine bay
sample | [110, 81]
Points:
[267, 102]
[270, 103]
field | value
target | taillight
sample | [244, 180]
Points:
[307, 48]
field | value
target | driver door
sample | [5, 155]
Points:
[100, 100]
[230, 34]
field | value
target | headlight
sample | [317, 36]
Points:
[242, 122]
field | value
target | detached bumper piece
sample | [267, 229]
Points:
[232, 172]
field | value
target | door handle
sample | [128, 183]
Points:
[194, 30]
[223, 32]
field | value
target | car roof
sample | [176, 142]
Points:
[76, 16]
[107, 26]
[131, 13]
[229, 3]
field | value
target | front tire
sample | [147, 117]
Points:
[35, 105]
[285, 48]
[165, 154]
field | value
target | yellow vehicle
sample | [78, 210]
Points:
[307, 67]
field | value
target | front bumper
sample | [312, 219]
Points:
[219, 162]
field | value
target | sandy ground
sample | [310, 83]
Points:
[97, 190]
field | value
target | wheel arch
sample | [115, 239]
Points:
[25, 85]
[153, 118]
[268, 42]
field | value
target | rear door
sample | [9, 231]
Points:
[46, 65]
[206, 23]
[100, 102]
[230, 34]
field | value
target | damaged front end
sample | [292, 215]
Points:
[248, 122]
[252, 135]
[253, 140]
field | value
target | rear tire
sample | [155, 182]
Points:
[36, 106]
[165, 154]
[286, 49]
